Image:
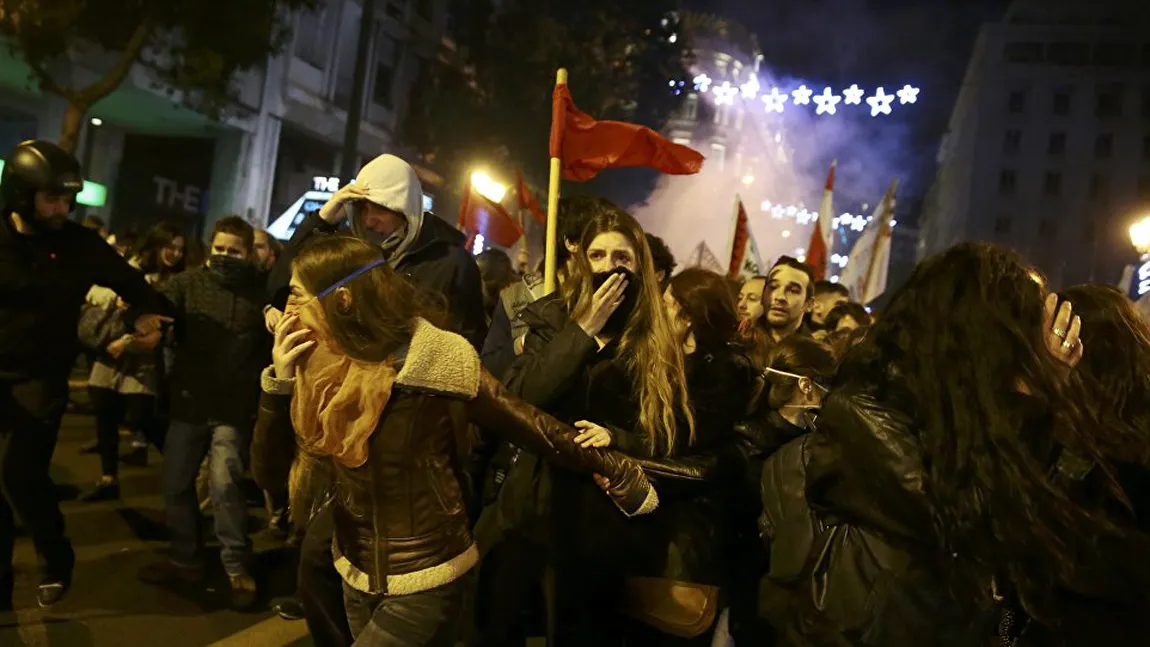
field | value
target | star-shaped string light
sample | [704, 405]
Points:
[880, 103]
[725, 94]
[827, 102]
[853, 95]
[750, 89]
[702, 82]
[908, 94]
[775, 100]
[802, 96]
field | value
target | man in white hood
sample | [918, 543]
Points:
[384, 206]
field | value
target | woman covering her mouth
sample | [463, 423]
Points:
[379, 399]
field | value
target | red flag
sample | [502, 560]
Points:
[479, 215]
[817, 249]
[526, 200]
[745, 261]
[817, 253]
[587, 146]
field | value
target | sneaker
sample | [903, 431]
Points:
[108, 489]
[168, 572]
[243, 591]
[51, 592]
[138, 457]
[289, 608]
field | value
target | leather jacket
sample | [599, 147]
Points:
[401, 523]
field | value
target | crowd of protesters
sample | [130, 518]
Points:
[644, 456]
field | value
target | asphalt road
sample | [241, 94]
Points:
[108, 606]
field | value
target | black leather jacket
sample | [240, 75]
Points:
[844, 518]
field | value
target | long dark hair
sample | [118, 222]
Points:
[647, 349]
[706, 301]
[149, 253]
[955, 350]
[383, 308]
[1115, 367]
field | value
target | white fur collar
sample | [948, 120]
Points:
[440, 362]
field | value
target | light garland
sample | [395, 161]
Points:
[826, 102]
[804, 216]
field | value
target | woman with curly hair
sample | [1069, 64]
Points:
[943, 475]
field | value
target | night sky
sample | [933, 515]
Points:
[873, 42]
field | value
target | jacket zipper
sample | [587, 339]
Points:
[378, 560]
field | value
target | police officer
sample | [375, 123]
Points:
[47, 265]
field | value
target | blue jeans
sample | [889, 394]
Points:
[184, 450]
[425, 619]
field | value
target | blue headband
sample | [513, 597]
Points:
[340, 283]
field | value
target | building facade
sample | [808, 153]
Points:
[1048, 146]
[159, 160]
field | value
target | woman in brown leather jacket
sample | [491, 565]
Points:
[379, 398]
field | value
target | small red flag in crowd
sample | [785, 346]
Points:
[480, 215]
[526, 200]
[587, 146]
[817, 248]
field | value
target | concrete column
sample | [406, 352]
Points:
[227, 176]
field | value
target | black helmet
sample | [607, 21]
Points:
[37, 165]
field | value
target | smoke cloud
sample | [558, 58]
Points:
[778, 159]
[828, 43]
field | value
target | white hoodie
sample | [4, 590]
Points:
[392, 184]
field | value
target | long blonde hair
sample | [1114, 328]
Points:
[647, 349]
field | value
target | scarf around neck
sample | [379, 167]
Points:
[337, 401]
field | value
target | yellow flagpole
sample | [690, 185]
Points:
[549, 284]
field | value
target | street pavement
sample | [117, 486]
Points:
[108, 606]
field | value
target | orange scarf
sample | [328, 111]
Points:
[337, 401]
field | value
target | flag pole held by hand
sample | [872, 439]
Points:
[557, 122]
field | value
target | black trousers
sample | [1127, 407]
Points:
[136, 411]
[320, 585]
[30, 412]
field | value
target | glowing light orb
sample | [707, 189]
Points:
[802, 96]
[702, 83]
[907, 94]
[827, 102]
[880, 103]
[853, 95]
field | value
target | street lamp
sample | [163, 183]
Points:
[1140, 235]
[487, 187]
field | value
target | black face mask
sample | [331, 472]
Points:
[622, 314]
[231, 270]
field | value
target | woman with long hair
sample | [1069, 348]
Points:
[683, 546]
[600, 353]
[1106, 602]
[380, 399]
[124, 383]
[939, 469]
[162, 252]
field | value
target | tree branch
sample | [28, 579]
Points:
[115, 76]
[47, 83]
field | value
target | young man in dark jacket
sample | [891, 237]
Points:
[384, 206]
[221, 347]
[47, 265]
